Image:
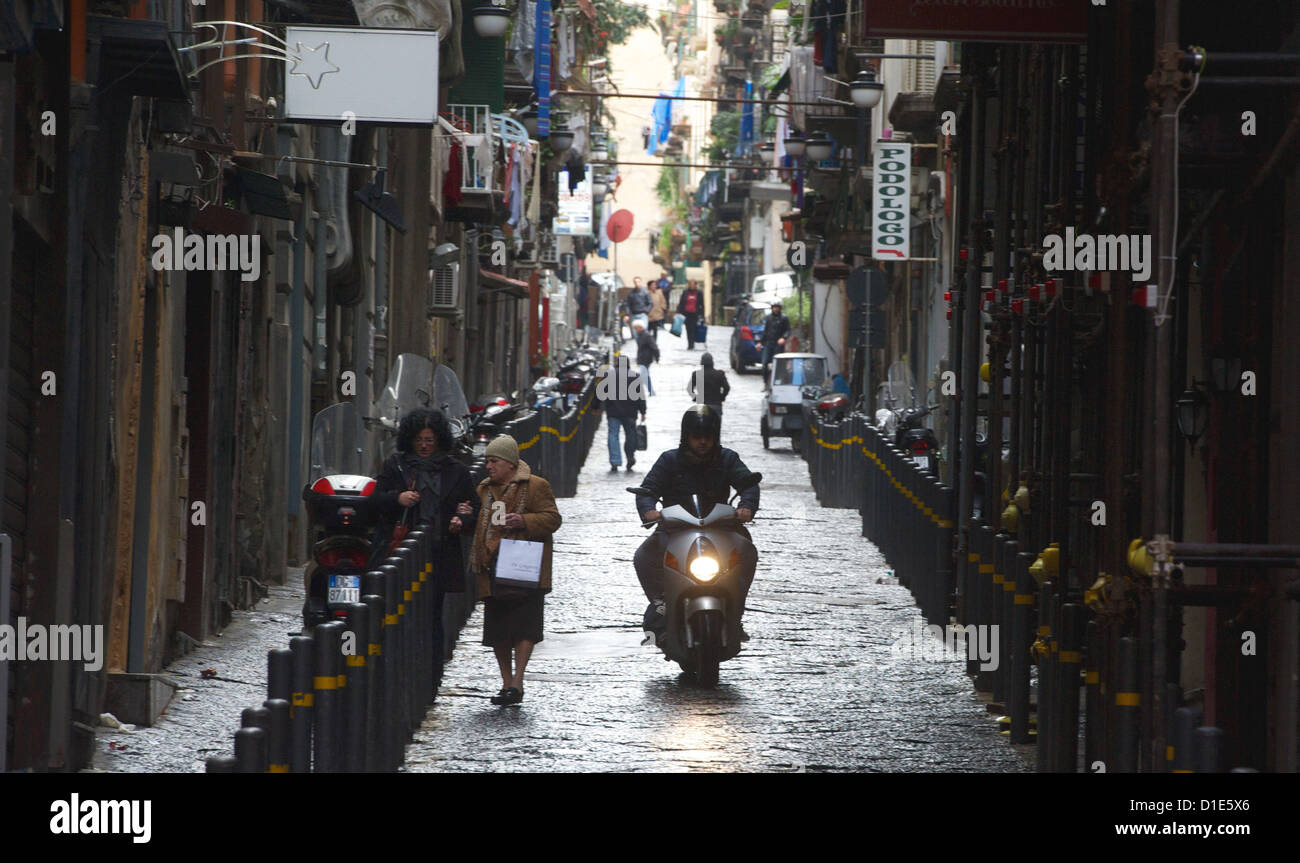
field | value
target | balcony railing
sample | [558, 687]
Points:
[473, 124]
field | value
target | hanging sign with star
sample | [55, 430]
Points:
[380, 76]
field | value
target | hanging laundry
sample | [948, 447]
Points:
[453, 178]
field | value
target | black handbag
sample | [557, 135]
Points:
[642, 438]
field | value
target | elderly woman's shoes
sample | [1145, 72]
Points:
[508, 695]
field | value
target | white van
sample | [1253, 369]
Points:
[773, 286]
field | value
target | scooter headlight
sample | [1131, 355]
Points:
[704, 568]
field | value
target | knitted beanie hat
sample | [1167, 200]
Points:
[505, 448]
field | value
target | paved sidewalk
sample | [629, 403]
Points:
[203, 716]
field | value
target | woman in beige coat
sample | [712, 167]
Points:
[512, 617]
[658, 308]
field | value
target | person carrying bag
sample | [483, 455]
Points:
[520, 508]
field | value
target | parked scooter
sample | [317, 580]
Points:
[340, 514]
[704, 593]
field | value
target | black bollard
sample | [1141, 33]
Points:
[984, 599]
[1022, 638]
[374, 750]
[1173, 698]
[277, 735]
[222, 764]
[250, 750]
[301, 699]
[355, 694]
[394, 733]
[1208, 754]
[279, 673]
[1186, 721]
[1128, 705]
[327, 739]
[255, 717]
[1046, 677]
[1071, 661]
[1093, 729]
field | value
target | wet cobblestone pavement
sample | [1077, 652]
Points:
[203, 715]
[817, 688]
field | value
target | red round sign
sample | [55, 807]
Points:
[619, 226]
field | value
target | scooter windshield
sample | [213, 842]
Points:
[798, 371]
[448, 396]
[410, 386]
[338, 442]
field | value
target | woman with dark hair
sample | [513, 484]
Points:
[422, 484]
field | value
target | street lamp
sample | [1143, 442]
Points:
[490, 22]
[529, 119]
[795, 144]
[1193, 413]
[865, 90]
[599, 189]
[818, 147]
[561, 140]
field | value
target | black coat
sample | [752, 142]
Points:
[776, 327]
[608, 392]
[715, 386]
[674, 480]
[455, 486]
[647, 350]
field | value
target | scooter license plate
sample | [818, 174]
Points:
[780, 410]
[345, 588]
[921, 461]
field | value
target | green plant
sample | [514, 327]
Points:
[799, 309]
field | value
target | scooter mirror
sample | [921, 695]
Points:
[636, 489]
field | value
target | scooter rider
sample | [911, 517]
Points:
[700, 465]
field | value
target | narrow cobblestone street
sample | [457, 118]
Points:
[817, 688]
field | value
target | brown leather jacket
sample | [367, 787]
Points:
[530, 496]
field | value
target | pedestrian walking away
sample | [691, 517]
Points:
[647, 352]
[775, 330]
[691, 306]
[622, 397]
[709, 385]
[512, 616]
[658, 308]
[700, 467]
[422, 484]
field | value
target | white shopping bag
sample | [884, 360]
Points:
[519, 563]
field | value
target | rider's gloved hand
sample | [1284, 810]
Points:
[652, 515]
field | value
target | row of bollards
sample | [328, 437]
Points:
[555, 442]
[347, 697]
[1087, 666]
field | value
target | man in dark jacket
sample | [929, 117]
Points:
[699, 466]
[775, 330]
[647, 352]
[639, 301]
[622, 396]
[709, 385]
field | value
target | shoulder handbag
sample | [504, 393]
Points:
[642, 439]
[506, 593]
[402, 528]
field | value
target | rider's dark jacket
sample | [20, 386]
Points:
[675, 479]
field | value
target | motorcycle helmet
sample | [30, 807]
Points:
[707, 361]
[701, 420]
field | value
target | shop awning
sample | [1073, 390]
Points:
[496, 283]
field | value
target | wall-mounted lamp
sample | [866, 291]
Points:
[384, 204]
[529, 118]
[1193, 412]
[561, 140]
[818, 147]
[443, 254]
[795, 144]
[865, 90]
[490, 22]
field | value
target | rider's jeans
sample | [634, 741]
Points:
[649, 563]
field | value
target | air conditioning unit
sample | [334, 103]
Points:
[444, 291]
